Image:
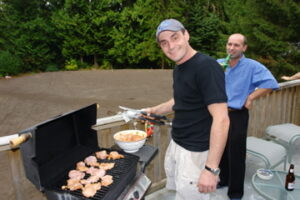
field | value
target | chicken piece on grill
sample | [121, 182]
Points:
[106, 166]
[106, 180]
[96, 172]
[91, 161]
[75, 174]
[72, 184]
[80, 166]
[89, 180]
[114, 155]
[101, 154]
[91, 189]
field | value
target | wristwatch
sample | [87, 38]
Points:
[215, 171]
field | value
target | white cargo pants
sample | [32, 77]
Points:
[183, 169]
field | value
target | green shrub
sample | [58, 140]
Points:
[83, 65]
[106, 65]
[71, 65]
[9, 64]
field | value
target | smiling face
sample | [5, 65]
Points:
[175, 45]
[236, 46]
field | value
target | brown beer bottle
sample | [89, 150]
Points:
[290, 179]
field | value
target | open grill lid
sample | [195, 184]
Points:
[57, 144]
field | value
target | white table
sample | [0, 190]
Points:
[274, 189]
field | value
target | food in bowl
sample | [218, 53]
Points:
[130, 136]
[130, 140]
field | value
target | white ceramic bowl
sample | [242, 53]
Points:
[265, 174]
[130, 140]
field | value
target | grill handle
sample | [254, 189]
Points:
[14, 143]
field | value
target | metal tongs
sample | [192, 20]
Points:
[144, 116]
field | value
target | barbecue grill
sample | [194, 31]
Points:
[56, 145]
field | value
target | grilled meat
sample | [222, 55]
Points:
[72, 184]
[89, 180]
[102, 155]
[106, 180]
[114, 155]
[75, 174]
[106, 166]
[91, 161]
[80, 166]
[91, 189]
[96, 172]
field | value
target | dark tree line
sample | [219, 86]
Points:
[49, 35]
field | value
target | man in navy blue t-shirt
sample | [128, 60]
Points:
[200, 125]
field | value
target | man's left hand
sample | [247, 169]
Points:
[248, 103]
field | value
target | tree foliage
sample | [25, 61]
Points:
[203, 24]
[121, 33]
[27, 33]
[271, 29]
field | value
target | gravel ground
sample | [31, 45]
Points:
[30, 99]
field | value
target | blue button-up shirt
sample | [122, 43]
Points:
[242, 79]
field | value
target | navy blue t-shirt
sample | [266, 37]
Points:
[198, 83]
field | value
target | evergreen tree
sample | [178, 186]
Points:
[133, 33]
[121, 33]
[264, 24]
[28, 33]
[203, 25]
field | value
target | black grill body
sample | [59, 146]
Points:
[58, 144]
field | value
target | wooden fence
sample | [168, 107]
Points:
[280, 106]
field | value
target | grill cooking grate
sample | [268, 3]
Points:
[123, 173]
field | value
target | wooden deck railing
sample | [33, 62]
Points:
[280, 106]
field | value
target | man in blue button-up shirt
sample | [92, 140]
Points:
[246, 80]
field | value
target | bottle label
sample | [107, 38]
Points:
[290, 186]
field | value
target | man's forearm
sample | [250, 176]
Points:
[162, 108]
[255, 95]
[218, 136]
[259, 93]
[218, 140]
